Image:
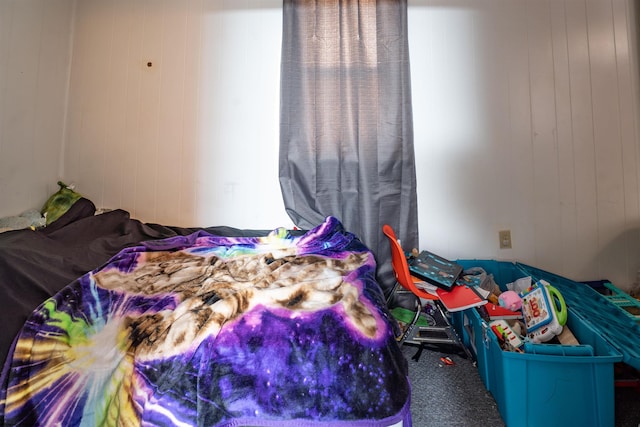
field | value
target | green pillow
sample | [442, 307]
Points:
[59, 202]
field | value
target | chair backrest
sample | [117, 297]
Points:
[401, 266]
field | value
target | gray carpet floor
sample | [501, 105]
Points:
[448, 395]
[454, 395]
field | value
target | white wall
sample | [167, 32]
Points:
[34, 65]
[525, 118]
[191, 139]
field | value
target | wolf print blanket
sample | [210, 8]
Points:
[214, 331]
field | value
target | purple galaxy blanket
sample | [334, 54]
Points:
[214, 331]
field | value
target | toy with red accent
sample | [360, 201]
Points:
[544, 312]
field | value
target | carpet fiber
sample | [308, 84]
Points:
[448, 395]
[454, 395]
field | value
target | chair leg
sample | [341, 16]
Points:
[408, 332]
[392, 293]
[441, 332]
[453, 333]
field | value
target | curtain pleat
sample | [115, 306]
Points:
[346, 134]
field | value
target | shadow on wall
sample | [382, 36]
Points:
[619, 261]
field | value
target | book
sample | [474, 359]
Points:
[434, 269]
[425, 286]
[460, 297]
[496, 312]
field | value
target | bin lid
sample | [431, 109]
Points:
[603, 315]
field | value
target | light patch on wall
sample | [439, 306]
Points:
[450, 123]
[238, 142]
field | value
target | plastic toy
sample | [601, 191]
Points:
[544, 312]
[506, 335]
[510, 300]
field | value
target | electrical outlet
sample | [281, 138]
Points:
[505, 239]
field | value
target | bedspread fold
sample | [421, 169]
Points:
[214, 331]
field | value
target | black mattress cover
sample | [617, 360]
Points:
[35, 265]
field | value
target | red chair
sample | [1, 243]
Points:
[401, 267]
[439, 329]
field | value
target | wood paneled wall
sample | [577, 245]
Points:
[526, 116]
[173, 111]
[35, 50]
[525, 112]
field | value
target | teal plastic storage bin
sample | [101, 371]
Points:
[613, 323]
[550, 385]
[474, 333]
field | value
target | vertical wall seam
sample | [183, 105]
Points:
[180, 194]
[36, 104]
[632, 35]
[161, 78]
[625, 242]
[531, 119]
[555, 133]
[67, 93]
[571, 112]
[593, 133]
[106, 144]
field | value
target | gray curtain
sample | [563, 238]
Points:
[346, 135]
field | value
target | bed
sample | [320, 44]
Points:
[110, 321]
